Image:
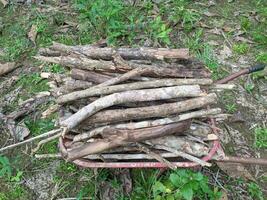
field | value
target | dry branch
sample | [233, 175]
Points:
[184, 155]
[107, 53]
[47, 134]
[108, 66]
[89, 76]
[162, 110]
[198, 130]
[126, 137]
[130, 96]
[97, 90]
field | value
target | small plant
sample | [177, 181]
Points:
[245, 24]
[255, 191]
[231, 107]
[261, 138]
[5, 167]
[241, 48]
[184, 184]
[54, 68]
[249, 87]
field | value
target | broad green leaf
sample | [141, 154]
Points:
[187, 192]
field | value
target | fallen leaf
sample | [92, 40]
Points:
[242, 39]
[227, 29]
[7, 67]
[202, 25]
[235, 170]
[224, 195]
[108, 192]
[215, 31]
[209, 14]
[4, 2]
[226, 52]
[18, 131]
[213, 43]
[33, 33]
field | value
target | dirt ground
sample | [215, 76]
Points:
[226, 35]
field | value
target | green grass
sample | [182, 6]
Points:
[241, 48]
[255, 191]
[260, 138]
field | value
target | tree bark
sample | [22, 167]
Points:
[127, 137]
[162, 110]
[80, 62]
[198, 130]
[89, 76]
[107, 53]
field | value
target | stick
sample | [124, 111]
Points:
[97, 90]
[45, 141]
[89, 76]
[130, 96]
[184, 155]
[125, 137]
[107, 53]
[115, 80]
[162, 110]
[108, 66]
[7, 67]
[156, 156]
[151, 123]
[47, 134]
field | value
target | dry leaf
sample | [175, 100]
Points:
[7, 67]
[4, 2]
[235, 170]
[213, 43]
[224, 195]
[227, 29]
[214, 31]
[242, 39]
[226, 52]
[33, 33]
[209, 14]
[126, 180]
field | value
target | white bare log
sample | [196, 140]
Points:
[97, 91]
[131, 96]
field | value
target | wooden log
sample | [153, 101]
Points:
[181, 143]
[89, 76]
[107, 53]
[7, 67]
[108, 66]
[162, 110]
[129, 136]
[196, 130]
[97, 91]
[131, 96]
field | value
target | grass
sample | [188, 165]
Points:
[255, 191]
[260, 138]
[241, 48]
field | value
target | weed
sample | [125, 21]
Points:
[208, 58]
[245, 23]
[260, 138]
[231, 107]
[5, 167]
[241, 48]
[54, 68]
[185, 184]
[194, 42]
[249, 87]
[255, 191]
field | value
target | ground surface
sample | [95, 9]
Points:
[226, 35]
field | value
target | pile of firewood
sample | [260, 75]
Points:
[132, 104]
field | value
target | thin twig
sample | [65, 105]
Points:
[183, 154]
[156, 156]
[47, 134]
